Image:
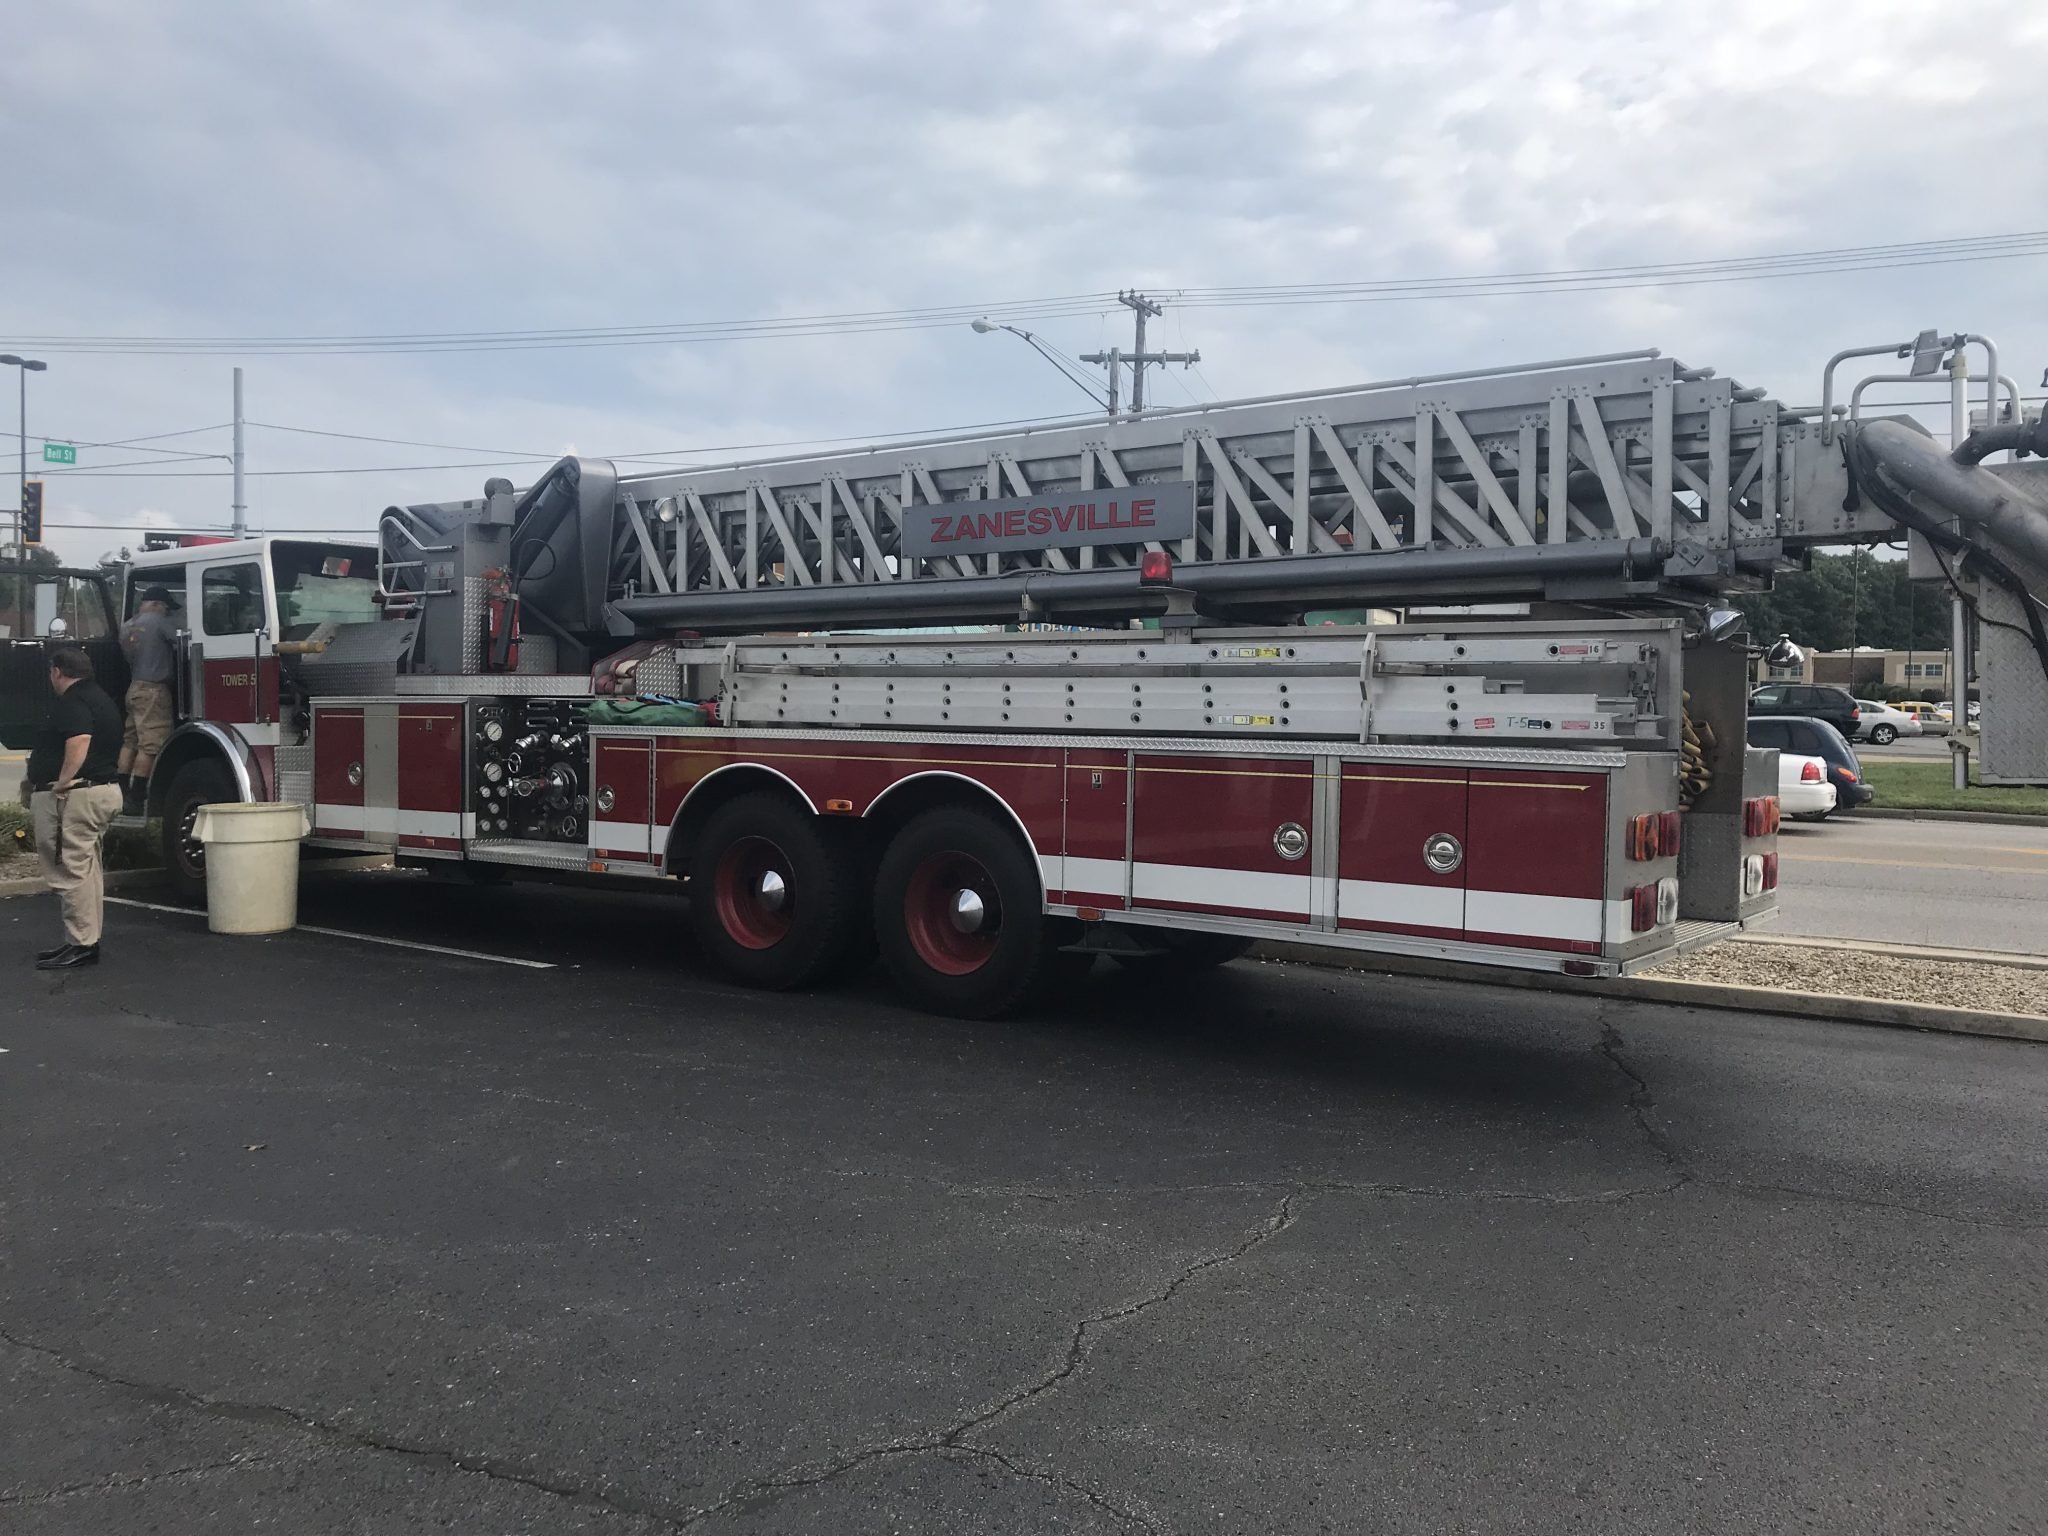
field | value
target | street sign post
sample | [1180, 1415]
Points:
[59, 453]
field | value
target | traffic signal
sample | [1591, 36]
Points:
[32, 512]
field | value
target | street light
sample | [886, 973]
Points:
[984, 326]
[27, 365]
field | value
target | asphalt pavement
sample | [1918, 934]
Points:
[1887, 879]
[310, 1234]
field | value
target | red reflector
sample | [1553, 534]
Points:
[1156, 568]
[1809, 773]
[1670, 833]
[1770, 871]
[1642, 906]
[1581, 968]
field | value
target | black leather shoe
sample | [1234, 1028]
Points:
[71, 957]
[51, 954]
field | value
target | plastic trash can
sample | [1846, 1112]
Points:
[252, 865]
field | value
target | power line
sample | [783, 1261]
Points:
[1835, 260]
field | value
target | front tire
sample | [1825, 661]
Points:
[1883, 735]
[194, 785]
[772, 901]
[959, 915]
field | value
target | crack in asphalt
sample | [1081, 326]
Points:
[272, 1416]
[1640, 1099]
[953, 1440]
[121, 1483]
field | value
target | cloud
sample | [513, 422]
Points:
[377, 167]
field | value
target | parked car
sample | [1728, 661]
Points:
[1882, 725]
[1819, 701]
[1947, 710]
[1932, 723]
[1809, 737]
[1804, 788]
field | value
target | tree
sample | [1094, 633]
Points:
[1851, 599]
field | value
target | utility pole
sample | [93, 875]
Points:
[240, 522]
[1137, 357]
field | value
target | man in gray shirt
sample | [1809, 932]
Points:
[146, 642]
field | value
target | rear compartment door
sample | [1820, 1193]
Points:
[1402, 849]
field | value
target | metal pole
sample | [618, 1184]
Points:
[1115, 361]
[1959, 633]
[21, 491]
[239, 524]
[1138, 367]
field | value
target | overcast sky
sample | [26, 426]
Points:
[262, 167]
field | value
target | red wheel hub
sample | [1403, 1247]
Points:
[755, 892]
[952, 913]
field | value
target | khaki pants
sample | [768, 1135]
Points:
[147, 723]
[68, 829]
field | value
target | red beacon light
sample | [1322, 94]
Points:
[1155, 569]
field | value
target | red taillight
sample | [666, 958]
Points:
[1654, 835]
[1770, 871]
[1760, 816]
[1809, 773]
[1670, 833]
[1642, 908]
[1855, 715]
[1642, 837]
[1653, 906]
[1155, 569]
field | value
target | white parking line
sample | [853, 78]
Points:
[342, 933]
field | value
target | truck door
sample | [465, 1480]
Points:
[234, 674]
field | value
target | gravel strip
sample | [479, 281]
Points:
[1982, 985]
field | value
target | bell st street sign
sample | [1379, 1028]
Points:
[59, 453]
[1122, 514]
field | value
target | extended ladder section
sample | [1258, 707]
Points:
[1611, 477]
[1609, 684]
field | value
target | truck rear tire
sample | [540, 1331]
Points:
[959, 915]
[773, 901]
[194, 785]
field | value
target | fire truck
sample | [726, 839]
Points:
[1437, 666]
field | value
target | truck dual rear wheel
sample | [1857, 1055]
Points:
[958, 915]
[774, 900]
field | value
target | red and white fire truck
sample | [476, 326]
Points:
[998, 705]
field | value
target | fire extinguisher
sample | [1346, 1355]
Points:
[501, 622]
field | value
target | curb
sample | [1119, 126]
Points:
[1985, 818]
[1688, 994]
[1880, 950]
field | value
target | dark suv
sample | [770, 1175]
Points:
[1818, 701]
[1816, 738]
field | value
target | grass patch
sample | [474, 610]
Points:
[1926, 787]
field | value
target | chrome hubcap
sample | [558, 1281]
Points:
[772, 891]
[968, 911]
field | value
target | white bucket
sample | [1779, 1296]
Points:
[252, 865]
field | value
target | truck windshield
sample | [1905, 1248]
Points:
[323, 583]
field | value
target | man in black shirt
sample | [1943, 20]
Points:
[73, 790]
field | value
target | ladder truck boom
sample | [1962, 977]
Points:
[1181, 722]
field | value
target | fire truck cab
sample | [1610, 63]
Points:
[243, 609]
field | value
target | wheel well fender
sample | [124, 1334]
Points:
[717, 788]
[201, 741]
[894, 807]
